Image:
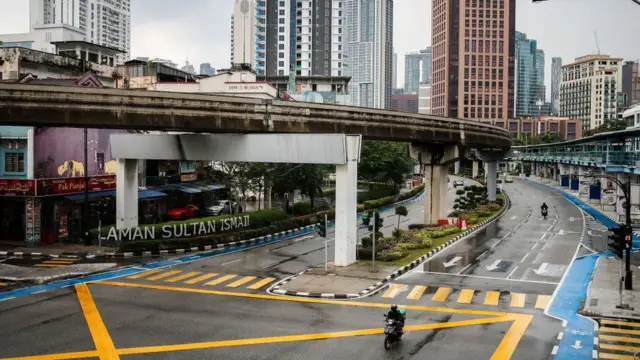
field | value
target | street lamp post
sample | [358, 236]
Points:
[626, 189]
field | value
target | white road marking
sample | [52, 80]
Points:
[231, 262]
[492, 278]
[524, 257]
[534, 246]
[464, 269]
[512, 271]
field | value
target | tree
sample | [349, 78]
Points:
[309, 178]
[385, 161]
[401, 211]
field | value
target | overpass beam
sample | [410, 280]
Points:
[436, 159]
[346, 205]
[491, 158]
[126, 193]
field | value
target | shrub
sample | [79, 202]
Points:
[378, 203]
[302, 208]
[329, 193]
[460, 192]
[483, 214]
[473, 219]
[427, 243]
[379, 191]
[455, 213]
[386, 255]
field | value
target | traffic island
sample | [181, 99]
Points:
[358, 280]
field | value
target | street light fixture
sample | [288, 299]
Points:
[626, 189]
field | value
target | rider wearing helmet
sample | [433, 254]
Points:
[544, 206]
[396, 315]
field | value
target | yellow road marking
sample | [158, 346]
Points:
[619, 331]
[104, 345]
[465, 297]
[67, 262]
[143, 274]
[619, 338]
[302, 299]
[542, 301]
[491, 298]
[510, 341]
[182, 277]
[48, 265]
[164, 275]
[517, 300]
[616, 322]
[60, 356]
[261, 283]
[242, 281]
[220, 280]
[417, 292]
[619, 347]
[393, 290]
[441, 294]
[614, 356]
[200, 278]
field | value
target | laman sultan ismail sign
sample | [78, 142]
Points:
[173, 231]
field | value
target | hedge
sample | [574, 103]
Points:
[181, 243]
[257, 219]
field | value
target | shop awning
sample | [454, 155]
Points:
[179, 187]
[142, 194]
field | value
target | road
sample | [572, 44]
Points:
[216, 308]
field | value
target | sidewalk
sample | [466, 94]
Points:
[69, 250]
[603, 292]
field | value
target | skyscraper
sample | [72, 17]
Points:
[104, 22]
[304, 35]
[243, 49]
[369, 52]
[417, 69]
[206, 69]
[394, 77]
[473, 58]
[556, 77]
[530, 75]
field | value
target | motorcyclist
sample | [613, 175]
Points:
[396, 315]
[544, 207]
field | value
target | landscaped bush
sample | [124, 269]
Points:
[302, 208]
[378, 203]
[378, 192]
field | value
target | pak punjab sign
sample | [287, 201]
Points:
[75, 185]
[172, 231]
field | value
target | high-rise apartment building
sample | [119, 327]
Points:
[529, 76]
[243, 30]
[303, 35]
[369, 51]
[417, 70]
[394, 76]
[104, 22]
[588, 90]
[473, 58]
[631, 83]
[556, 76]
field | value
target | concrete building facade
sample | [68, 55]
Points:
[424, 99]
[243, 34]
[404, 102]
[556, 77]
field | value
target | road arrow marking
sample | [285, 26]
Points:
[589, 232]
[452, 262]
[513, 217]
[493, 266]
[577, 345]
[542, 269]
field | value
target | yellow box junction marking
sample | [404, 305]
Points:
[104, 345]
[220, 280]
[615, 356]
[417, 292]
[517, 300]
[619, 338]
[164, 275]
[143, 274]
[441, 294]
[617, 322]
[465, 297]
[504, 350]
[261, 283]
[393, 290]
[492, 298]
[200, 278]
[619, 331]
[182, 277]
[242, 281]
[542, 301]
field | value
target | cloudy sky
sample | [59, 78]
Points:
[199, 29]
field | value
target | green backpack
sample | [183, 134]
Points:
[403, 312]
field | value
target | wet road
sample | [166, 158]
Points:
[522, 251]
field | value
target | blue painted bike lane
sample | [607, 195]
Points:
[577, 340]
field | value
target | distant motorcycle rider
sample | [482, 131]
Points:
[395, 314]
[544, 207]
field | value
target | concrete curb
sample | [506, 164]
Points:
[275, 288]
[263, 239]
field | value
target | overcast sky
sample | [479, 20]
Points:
[199, 29]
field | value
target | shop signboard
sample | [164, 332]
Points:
[187, 166]
[188, 177]
[65, 186]
[32, 220]
[173, 231]
[17, 187]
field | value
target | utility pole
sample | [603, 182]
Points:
[85, 205]
[628, 284]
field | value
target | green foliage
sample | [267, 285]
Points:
[526, 139]
[470, 198]
[302, 208]
[377, 220]
[402, 210]
[385, 161]
[377, 192]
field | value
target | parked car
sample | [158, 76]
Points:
[457, 183]
[508, 180]
[222, 207]
[498, 181]
[181, 213]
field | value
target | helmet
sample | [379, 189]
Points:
[394, 307]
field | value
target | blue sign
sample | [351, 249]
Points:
[575, 184]
[594, 192]
[564, 180]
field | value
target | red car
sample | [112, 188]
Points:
[183, 213]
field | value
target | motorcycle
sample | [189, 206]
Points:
[391, 332]
[545, 212]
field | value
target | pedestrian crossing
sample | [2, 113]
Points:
[204, 279]
[57, 262]
[619, 339]
[465, 296]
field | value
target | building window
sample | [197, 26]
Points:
[13, 162]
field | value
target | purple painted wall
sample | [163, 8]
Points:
[59, 152]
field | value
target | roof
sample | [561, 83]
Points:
[80, 42]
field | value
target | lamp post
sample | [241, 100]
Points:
[626, 189]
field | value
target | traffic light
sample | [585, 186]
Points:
[322, 229]
[617, 243]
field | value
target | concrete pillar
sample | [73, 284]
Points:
[521, 167]
[486, 169]
[346, 202]
[126, 193]
[456, 167]
[435, 206]
[491, 179]
[474, 168]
